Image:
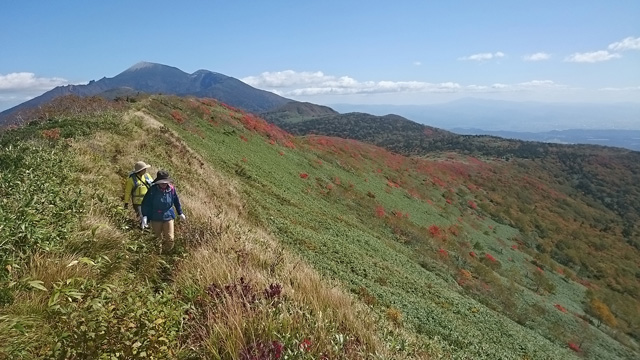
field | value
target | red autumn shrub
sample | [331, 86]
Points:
[574, 347]
[435, 231]
[560, 307]
[53, 134]
[380, 211]
[177, 116]
[304, 175]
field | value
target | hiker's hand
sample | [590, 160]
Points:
[182, 217]
[143, 223]
[126, 205]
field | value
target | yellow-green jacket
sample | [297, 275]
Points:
[135, 188]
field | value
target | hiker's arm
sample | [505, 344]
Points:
[127, 190]
[176, 202]
[146, 203]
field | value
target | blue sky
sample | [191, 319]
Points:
[332, 52]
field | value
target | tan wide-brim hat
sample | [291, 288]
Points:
[139, 166]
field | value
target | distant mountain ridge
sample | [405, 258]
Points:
[629, 139]
[152, 78]
[495, 115]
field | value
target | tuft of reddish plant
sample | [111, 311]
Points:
[443, 252]
[473, 205]
[380, 211]
[305, 345]
[472, 254]
[490, 257]
[273, 291]
[261, 350]
[304, 175]
[241, 290]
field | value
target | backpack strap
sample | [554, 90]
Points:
[136, 182]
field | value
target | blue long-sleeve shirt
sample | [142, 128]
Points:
[158, 204]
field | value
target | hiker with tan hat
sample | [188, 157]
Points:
[137, 186]
[157, 208]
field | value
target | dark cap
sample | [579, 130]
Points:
[162, 177]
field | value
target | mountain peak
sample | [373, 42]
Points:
[142, 65]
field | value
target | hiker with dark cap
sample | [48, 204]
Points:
[157, 208]
[136, 186]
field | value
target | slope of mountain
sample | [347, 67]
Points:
[570, 162]
[441, 256]
[157, 78]
[391, 131]
[296, 111]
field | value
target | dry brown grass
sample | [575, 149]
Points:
[51, 268]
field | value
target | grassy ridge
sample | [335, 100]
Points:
[434, 275]
[90, 285]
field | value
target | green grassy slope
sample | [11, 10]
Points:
[333, 218]
[415, 241]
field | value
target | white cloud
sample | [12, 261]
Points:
[294, 84]
[286, 78]
[483, 56]
[628, 88]
[629, 43]
[417, 63]
[28, 82]
[539, 83]
[539, 56]
[592, 57]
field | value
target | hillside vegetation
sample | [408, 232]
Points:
[312, 247]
